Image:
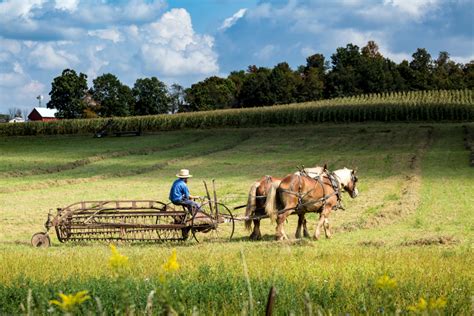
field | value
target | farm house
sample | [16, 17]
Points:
[42, 114]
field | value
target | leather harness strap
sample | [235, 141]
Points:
[334, 184]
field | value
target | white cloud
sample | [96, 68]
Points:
[462, 59]
[11, 9]
[233, 19]
[95, 63]
[414, 8]
[46, 56]
[173, 48]
[107, 34]
[141, 9]
[400, 10]
[66, 5]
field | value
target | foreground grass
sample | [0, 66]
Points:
[211, 277]
[412, 222]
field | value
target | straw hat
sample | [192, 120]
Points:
[184, 173]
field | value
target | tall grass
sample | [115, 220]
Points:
[420, 106]
[213, 281]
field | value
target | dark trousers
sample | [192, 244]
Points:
[189, 204]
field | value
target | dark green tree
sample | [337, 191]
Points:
[151, 97]
[256, 89]
[447, 74]
[238, 78]
[283, 84]
[67, 94]
[211, 94]
[468, 71]
[422, 66]
[374, 77]
[114, 98]
[343, 80]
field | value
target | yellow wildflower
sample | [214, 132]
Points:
[432, 305]
[438, 303]
[172, 264]
[70, 301]
[421, 306]
[117, 261]
[385, 282]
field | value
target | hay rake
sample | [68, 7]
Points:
[142, 220]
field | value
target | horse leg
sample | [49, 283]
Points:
[317, 233]
[253, 235]
[258, 234]
[301, 220]
[305, 228]
[280, 232]
[327, 228]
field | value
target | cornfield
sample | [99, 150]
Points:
[413, 106]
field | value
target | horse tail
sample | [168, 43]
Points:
[271, 206]
[251, 205]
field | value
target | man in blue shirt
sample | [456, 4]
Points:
[179, 193]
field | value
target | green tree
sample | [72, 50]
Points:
[256, 89]
[114, 98]
[468, 71]
[447, 74]
[422, 66]
[151, 97]
[343, 80]
[312, 78]
[67, 94]
[238, 78]
[211, 94]
[283, 84]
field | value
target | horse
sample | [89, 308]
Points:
[302, 194]
[255, 209]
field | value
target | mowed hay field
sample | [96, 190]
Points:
[405, 241]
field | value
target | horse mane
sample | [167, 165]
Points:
[344, 176]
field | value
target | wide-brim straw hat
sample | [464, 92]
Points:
[184, 173]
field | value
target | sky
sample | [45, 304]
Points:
[189, 40]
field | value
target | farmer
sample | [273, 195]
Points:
[179, 193]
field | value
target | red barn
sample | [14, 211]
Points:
[42, 114]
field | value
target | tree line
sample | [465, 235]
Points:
[350, 71]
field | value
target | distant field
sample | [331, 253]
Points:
[412, 221]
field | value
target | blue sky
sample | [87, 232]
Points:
[186, 41]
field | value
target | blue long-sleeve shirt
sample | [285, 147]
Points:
[179, 191]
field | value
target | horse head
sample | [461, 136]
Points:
[348, 180]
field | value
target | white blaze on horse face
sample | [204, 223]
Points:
[355, 193]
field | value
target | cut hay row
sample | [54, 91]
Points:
[420, 106]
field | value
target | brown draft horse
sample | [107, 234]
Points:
[257, 197]
[301, 194]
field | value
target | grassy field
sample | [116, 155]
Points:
[412, 223]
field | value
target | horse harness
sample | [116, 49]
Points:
[334, 184]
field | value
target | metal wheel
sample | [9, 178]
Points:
[41, 240]
[205, 226]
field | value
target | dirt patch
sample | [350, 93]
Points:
[429, 241]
